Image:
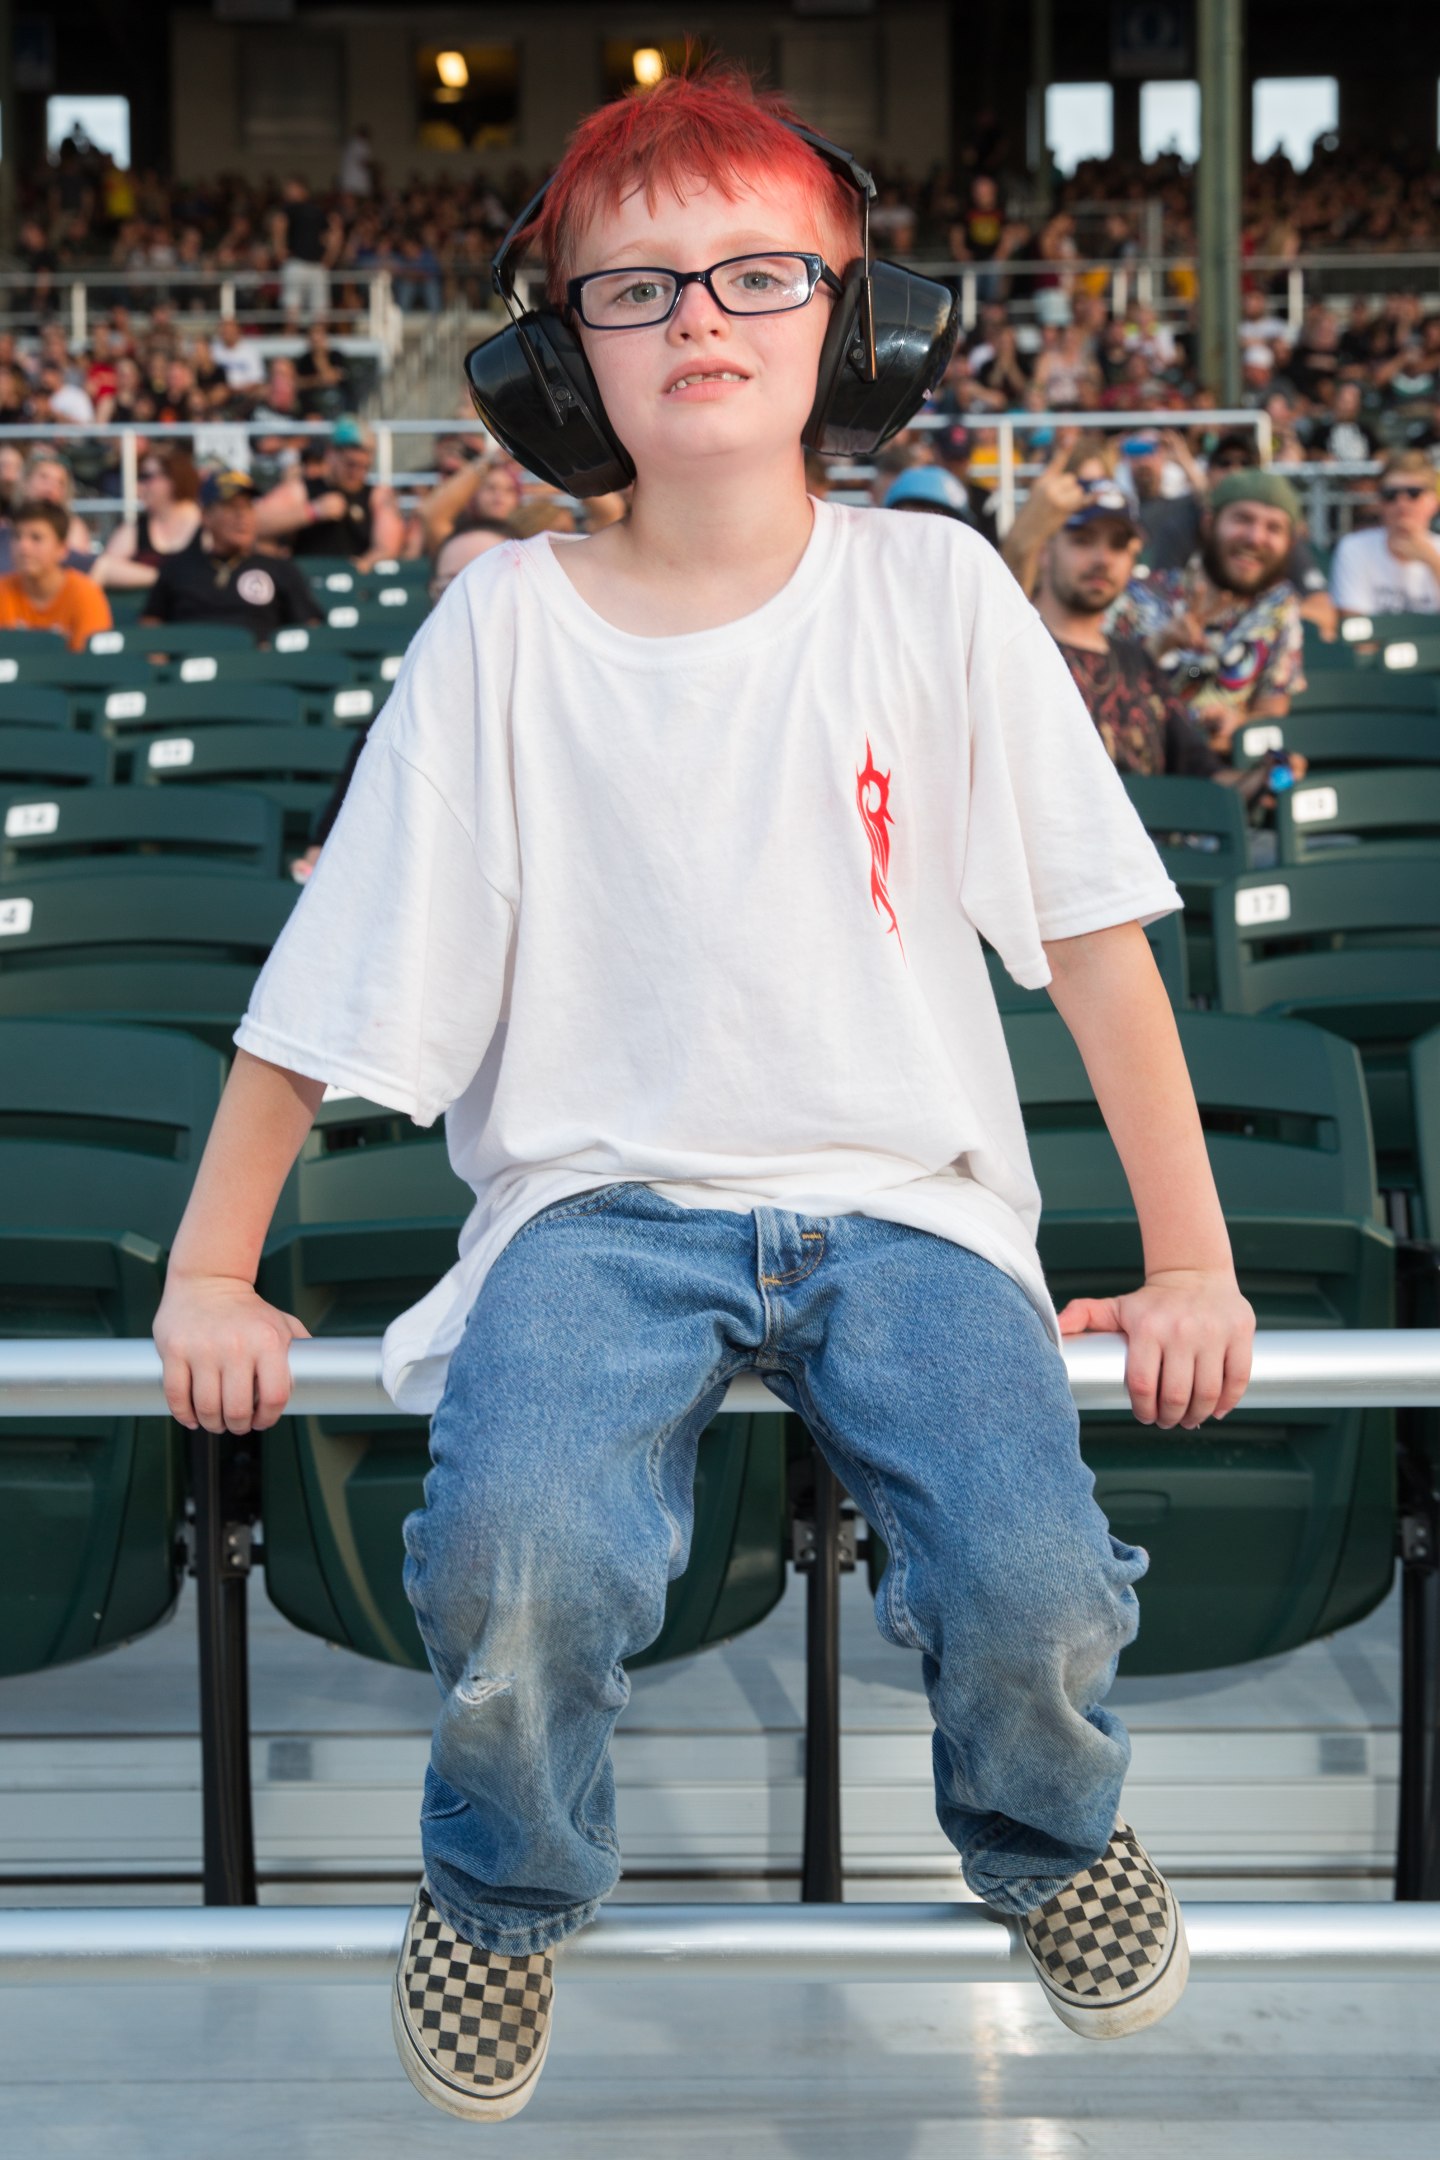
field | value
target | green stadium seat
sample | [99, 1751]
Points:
[101, 1129]
[168, 951]
[1199, 830]
[301, 670]
[367, 1223]
[26, 706]
[1425, 1086]
[173, 640]
[1393, 811]
[296, 767]
[367, 645]
[44, 757]
[1166, 939]
[1333, 741]
[1276, 1526]
[129, 830]
[165, 707]
[87, 678]
[1365, 691]
[1416, 653]
[1354, 946]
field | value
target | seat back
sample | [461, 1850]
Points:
[296, 767]
[29, 705]
[1354, 945]
[161, 707]
[140, 831]
[101, 1129]
[167, 951]
[1276, 1526]
[1392, 810]
[1367, 690]
[367, 1223]
[1200, 835]
[43, 756]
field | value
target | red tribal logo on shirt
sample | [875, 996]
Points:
[872, 799]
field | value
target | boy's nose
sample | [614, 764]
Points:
[697, 309]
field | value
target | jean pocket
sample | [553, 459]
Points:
[592, 1202]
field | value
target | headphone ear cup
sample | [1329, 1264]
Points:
[532, 386]
[916, 322]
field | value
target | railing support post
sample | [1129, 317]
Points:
[223, 1483]
[822, 1874]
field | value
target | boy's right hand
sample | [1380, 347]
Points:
[225, 1353]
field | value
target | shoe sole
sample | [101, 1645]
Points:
[1113, 2021]
[455, 2099]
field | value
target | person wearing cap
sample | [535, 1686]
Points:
[1076, 464]
[336, 512]
[1145, 727]
[224, 578]
[1226, 629]
[929, 487]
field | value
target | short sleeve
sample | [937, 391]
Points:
[1349, 587]
[1053, 847]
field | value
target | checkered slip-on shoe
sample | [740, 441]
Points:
[1110, 1950]
[471, 2026]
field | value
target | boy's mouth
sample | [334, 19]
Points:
[695, 378]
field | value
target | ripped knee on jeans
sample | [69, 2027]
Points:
[477, 1688]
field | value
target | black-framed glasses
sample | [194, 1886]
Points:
[1404, 494]
[639, 295]
[151, 472]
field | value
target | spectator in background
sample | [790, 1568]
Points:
[305, 247]
[486, 488]
[1226, 630]
[929, 488]
[339, 512]
[1084, 567]
[168, 521]
[322, 376]
[48, 479]
[1394, 568]
[239, 359]
[14, 396]
[540, 514]
[1345, 435]
[357, 163]
[223, 578]
[40, 593]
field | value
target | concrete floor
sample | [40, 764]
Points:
[1273, 1780]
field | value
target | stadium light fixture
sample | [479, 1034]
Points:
[649, 64]
[452, 70]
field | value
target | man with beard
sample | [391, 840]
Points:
[1226, 629]
[1145, 727]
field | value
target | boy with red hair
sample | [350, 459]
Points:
[664, 876]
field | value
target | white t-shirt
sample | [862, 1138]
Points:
[702, 911]
[242, 364]
[1365, 576]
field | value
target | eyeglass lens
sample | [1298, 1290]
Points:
[1406, 494]
[750, 285]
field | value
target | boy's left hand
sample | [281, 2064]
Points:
[1189, 1335]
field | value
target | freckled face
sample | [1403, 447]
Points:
[774, 359]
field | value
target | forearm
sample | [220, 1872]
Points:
[121, 574]
[1109, 994]
[264, 1115]
[443, 505]
[1020, 549]
[283, 512]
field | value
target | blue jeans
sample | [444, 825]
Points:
[560, 1504]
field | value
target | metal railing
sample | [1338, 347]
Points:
[233, 1938]
[1293, 1369]
[1227, 1941]
[86, 293]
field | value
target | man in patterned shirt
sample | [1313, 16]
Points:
[1225, 631]
[1144, 726]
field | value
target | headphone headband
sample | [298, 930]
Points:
[888, 341]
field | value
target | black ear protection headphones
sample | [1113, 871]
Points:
[889, 341]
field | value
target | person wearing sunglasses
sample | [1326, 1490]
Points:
[1393, 568]
[168, 522]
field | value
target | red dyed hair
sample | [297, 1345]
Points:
[706, 124]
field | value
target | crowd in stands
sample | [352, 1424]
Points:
[1176, 577]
